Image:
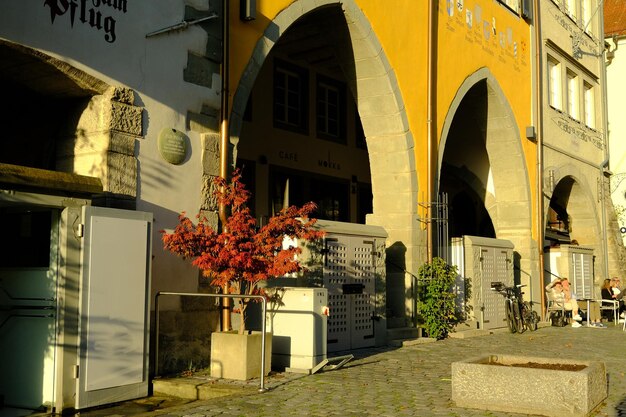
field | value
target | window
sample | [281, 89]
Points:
[511, 4]
[570, 5]
[585, 13]
[589, 108]
[572, 95]
[330, 109]
[290, 187]
[290, 97]
[554, 83]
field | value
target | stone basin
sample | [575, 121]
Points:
[529, 385]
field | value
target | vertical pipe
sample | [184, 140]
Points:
[224, 141]
[156, 338]
[605, 126]
[539, 133]
[431, 124]
[263, 320]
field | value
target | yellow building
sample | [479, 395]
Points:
[434, 98]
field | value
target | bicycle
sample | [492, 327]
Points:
[519, 315]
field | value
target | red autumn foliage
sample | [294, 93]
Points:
[242, 254]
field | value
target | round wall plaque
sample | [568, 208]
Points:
[172, 146]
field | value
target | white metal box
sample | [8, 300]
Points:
[297, 318]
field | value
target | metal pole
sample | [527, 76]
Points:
[431, 124]
[539, 133]
[224, 141]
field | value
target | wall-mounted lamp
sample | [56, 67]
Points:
[247, 10]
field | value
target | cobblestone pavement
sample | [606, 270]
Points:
[416, 380]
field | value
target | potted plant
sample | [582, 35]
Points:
[240, 257]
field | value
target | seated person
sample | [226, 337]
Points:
[610, 291]
[616, 289]
[594, 308]
[556, 293]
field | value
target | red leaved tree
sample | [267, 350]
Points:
[242, 255]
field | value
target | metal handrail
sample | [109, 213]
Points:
[188, 294]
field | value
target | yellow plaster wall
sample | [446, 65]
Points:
[401, 27]
[462, 50]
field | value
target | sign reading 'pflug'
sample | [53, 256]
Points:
[97, 14]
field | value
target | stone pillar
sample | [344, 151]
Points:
[100, 142]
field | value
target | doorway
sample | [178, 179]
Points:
[28, 306]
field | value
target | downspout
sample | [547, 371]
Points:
[539, 123]
[224, 142]
[431, 123]
[605, 162]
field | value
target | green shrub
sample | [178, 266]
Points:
[436, 303]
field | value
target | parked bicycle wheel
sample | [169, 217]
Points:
[535, 319]
[531, 318]
[510, 317]
[519, 320]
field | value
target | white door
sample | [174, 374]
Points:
[113, 357]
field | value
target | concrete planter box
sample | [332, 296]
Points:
[238, 356]
[482, 383]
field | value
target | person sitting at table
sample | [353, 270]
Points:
[594, 317]
[613, 292]
[556, 293]
[607, 294]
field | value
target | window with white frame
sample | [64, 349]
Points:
[589, 108]
[570, 5]
[585, 12]
[572, 95]
[290, 97]
[554, 83]
[330, 109]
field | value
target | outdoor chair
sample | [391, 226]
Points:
[610, 305]
[554, 305]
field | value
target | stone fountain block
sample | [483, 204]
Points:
[484, 384]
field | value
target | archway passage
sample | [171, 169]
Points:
[573, 243]
[41, 100]
[466, 169]
[335, 49]
[571, 217]
[482, 166]
[301, 138]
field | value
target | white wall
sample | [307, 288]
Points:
[616, 86]
[153, 68]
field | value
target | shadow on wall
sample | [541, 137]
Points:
[397, 293]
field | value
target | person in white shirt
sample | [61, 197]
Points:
[594, 309]
[558, 294]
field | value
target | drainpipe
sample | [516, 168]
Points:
[539, 133]
[224, 141]
[605, 162]
[431, 123]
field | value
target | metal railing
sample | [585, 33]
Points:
[187, 294]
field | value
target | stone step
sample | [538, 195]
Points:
[410, 342]
[403, 333]
[196, 389]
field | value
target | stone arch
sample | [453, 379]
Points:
[508, 199]
[582, 208]
[389, 139]
[99, 122]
